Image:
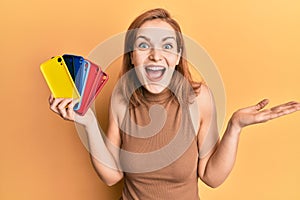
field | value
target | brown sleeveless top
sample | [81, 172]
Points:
[159, 153]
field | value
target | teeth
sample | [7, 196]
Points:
[154, 68]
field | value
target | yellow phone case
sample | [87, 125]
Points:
[58, 78]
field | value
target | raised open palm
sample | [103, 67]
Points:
[256, 114]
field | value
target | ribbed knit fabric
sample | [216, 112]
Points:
[152, 178]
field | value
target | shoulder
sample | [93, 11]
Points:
[200, 106]
[118, 106]
[204, 95]
[205, 103]
[207, 135]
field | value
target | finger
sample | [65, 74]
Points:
[75, 101]
[70, 111]
[261, 104]
[275, 113]
[290, 109]
[54, 104]
[285, 106]
[278, 111]
[51, 98]
[267, 115]
[62, 107]
[298, 106]
[292, 103]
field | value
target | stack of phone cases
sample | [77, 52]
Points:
[72, 76]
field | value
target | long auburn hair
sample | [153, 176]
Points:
[182, 85]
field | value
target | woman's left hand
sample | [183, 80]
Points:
[254, 114]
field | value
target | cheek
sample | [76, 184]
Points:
[173, 60]
[137, 59]
[139, 74]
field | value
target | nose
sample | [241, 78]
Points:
[155, 54]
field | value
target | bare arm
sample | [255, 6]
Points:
[105, 162]
[217, 164]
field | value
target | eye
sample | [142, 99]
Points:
[143, 45]
[168, 46]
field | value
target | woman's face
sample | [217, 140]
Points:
[155, 55]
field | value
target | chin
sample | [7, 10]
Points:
[153, 88]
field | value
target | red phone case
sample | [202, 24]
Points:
[95, 81]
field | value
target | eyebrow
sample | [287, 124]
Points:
[169, 37]
[143, 37]
[148, 39]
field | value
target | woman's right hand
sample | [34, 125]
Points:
[64, 108]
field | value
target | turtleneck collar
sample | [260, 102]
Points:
[164, 95]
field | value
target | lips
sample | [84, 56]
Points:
[155, 72]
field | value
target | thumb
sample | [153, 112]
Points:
[75, 101]
[261, 104]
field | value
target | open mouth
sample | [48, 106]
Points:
[155, 72]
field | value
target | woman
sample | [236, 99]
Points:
[156, 91]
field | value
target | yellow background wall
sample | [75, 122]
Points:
[255, 44]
